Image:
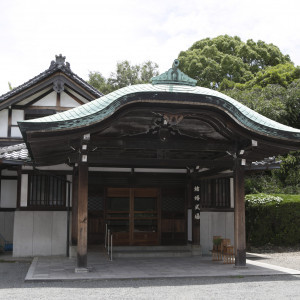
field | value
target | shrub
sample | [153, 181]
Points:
[272, 219]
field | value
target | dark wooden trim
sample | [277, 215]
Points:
[239, 215]
[57, 99]
[27, 93]
[9, 177]
[195, 223]
[159, 215]
[97, 160]
[43, 208]
[9, 122]
[35, 99]
[74, 97]
[19, 187]
[2, 209]
[80, 90]
[151, 143]
[216, 210]
[74, 206]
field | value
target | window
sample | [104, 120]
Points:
[47, 191]
[212, 193]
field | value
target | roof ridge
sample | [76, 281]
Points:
[58, 65]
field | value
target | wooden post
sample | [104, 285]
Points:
[82, 220]
[195, 222]
[239, 215]
[74, 206]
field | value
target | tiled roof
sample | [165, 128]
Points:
[15, 153]
[54, 67]
[99, 109]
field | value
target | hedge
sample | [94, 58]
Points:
[272, 219]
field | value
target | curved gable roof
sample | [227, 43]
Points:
[104, 107]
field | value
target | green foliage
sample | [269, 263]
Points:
[282, 75]
[289, 172]
[275, 222]
[293, 103]
[226, 60]
[270, 101]
[98, 81]
[125, 75]
[263, 183]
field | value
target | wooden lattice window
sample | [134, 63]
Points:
[47, 191]
[213, 193]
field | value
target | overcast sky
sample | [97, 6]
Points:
[94, 35]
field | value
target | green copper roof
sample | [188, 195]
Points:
[107, 105]
[174, 76]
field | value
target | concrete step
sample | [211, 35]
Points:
[152, 251]
[152, 248]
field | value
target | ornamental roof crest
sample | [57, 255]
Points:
[174, 76]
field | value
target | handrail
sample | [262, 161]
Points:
[108, 242]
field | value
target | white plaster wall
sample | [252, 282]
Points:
[49, 100]
[3, 122]
[8, 193]
[15, 132]
[67, 101]
[17, 115]
[24, 189]
[215, 223]
[7, 224]
[38, 233]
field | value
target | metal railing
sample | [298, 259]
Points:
[108, 242]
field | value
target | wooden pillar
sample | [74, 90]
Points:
[239, 215]
[74, 206]
[82, 220]
[195, 222]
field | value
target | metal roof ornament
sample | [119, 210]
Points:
[174, 76]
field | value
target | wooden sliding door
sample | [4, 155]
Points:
[132, 215]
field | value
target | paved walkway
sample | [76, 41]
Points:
[62, 268]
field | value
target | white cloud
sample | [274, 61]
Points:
[94, 35]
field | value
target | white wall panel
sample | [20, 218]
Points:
[16, 115]
[215, 223]
[49, 100]
[67, 101]
[8, 193]
[24, 190]
[3, 122]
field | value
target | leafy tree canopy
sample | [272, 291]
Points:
[125, 74]
[213, 61]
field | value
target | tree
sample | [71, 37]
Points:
[226, 58]
[125, 75]
[97, 80]
[270, 101]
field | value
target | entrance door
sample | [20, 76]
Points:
[132, 215]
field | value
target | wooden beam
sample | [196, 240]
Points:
[97, 159]
[195, 222]
[148, 143]
[239, 215]
[82, 220]
[73, 97]
[74, 207]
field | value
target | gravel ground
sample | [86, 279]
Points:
[12, 285]
[288, 257]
